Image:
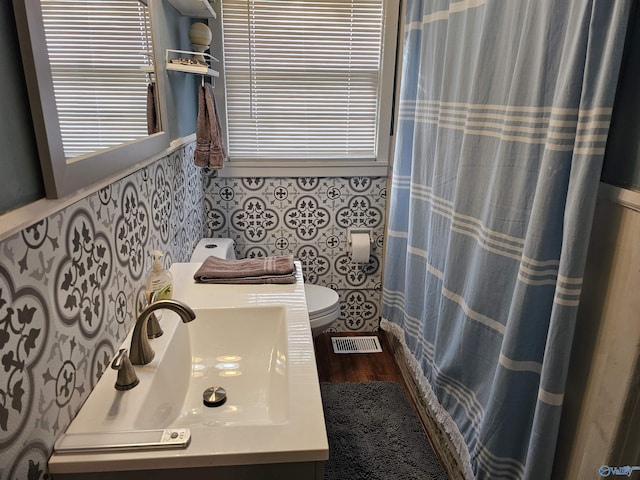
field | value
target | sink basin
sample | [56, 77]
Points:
[243, 350]
[255, 342]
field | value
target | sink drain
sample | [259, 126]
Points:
[214, 396]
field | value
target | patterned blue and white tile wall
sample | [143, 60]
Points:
[70, 286]
[309, 218]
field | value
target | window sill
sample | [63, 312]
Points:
[326, 169]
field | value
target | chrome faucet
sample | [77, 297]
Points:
[141, 352]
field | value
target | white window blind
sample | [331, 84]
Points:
[96, 51]
[303, 78]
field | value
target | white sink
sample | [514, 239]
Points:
[243, 350]
[255, 342]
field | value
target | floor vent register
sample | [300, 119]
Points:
[368, 344]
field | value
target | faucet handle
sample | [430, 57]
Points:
[154, 330]
[127, 378]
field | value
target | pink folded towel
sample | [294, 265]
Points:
[276, 269]
[210, 151]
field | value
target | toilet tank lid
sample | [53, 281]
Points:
[218, 247]
[320, 299]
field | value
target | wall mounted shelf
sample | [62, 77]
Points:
[194, 8]
[196, 68]
[193, 69]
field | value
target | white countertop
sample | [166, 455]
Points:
[301, 438]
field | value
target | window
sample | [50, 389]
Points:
[96, 51]
[309, 85]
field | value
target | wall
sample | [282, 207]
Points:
[69, 289]
[181, 96]
[308, 218]
[19, 157]
[622, 158]
[600, 417]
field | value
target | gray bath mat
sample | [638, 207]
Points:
[374, 434]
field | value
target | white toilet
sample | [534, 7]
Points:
[323, 304]
[218, 247]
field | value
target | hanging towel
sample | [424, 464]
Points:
[210, 151]
[275, 269]
[153, 124]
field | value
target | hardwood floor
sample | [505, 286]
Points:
[355, 367]
[358, 367]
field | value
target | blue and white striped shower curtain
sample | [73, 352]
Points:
[504, 115]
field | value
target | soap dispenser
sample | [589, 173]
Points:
[159, 280]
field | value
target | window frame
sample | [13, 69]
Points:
[332, 167]
[62, 176]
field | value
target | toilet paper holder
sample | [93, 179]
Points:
[351, 231]
[360, 251]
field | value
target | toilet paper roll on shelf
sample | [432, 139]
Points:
[360, 246]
